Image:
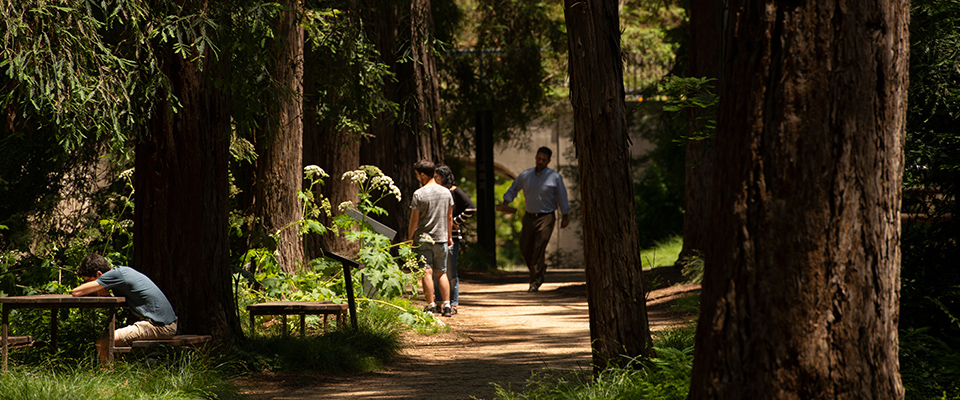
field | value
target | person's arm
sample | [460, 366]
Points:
[469, 207]
[513, 191]
[88, 288]
[414, 220]
[450, 225]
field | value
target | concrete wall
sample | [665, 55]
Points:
[558, 136]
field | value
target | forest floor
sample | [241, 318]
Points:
[502, 335]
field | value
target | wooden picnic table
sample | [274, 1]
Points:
[54, 302]
[301, 308]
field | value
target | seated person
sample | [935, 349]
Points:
[158, 321]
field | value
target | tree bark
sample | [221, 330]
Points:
[335, 152]
[800, 294]
[706, 27]
[618, 318]
[397, 144]
[279, 162]
[180, 222]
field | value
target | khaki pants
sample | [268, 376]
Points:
[144, 330]
[534, 237]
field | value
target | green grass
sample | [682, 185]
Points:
[663, 254]
[185, 377]
[665, 377]
[193, 375]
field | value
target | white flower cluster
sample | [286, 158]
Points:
[385, 183]
[357, 176]
[343, 207]
[313, 171]
[127, 174]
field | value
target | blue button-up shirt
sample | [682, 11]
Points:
[544, 192]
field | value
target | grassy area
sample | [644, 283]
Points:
[665, 377]
[186, 377]
[195, 375]
[663, 254]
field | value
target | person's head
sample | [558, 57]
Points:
[425, 167]
[91, 265]
[446, 176]
[543, 158]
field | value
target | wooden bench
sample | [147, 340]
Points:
[176, 341]
[16, 342]
[301, 308]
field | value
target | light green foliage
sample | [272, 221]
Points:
[666, 376]
[648, 48]
[183, 378]
[384, 274]
[695, 94]
[506, 56]
[663, 253]
[349, 91]
[382, 269]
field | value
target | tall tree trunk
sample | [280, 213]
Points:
[706, 26]
[335, 152]
[180, 222]
[279, 162]
[618, 317]
[802, 273]
[397, 144]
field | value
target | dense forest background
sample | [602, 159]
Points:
[172, 135]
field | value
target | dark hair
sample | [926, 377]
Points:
[425, 167]
[545, 150]
[446, 176]
[91, 264]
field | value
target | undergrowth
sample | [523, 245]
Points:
[666, 376]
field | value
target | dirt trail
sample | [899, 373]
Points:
[501, 335]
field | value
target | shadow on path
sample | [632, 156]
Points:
[502, 334]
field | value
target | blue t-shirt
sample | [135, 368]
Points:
[141, 293]
[544, 192]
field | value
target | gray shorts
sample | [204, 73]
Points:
[435, 255]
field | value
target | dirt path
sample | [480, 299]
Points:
[501, 335]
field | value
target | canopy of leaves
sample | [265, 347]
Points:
[507, 57]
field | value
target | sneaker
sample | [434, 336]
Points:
[430, 309]
[447, 311]
[533, 287]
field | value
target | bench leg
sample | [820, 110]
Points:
[284, 320]
[5, 335]
[303, 324]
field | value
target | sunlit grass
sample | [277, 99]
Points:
[665, 377]
[663, 254]
[184, 377]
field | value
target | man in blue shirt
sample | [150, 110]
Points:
[149, 304]
[544, 193]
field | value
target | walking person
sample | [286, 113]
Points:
[463, 208]
[544, 193]
[431, 223]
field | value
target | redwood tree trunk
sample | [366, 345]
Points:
[335, 152]
[180, 221]
[706, 27]
[800, 295]
[618, 317]
[398, 143]
[279, 162]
